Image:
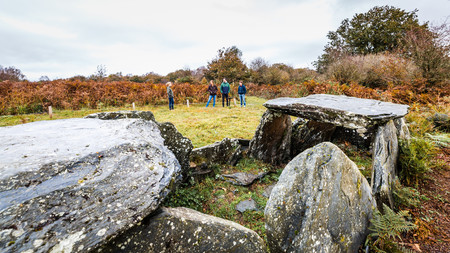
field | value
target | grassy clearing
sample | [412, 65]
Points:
[200, 124]
[219, 198]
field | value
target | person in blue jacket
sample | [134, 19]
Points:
[225, 89]
[241, 91]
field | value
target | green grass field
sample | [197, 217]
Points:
[200, 124]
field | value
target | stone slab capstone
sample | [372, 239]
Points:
[349, 112]
[71, 185]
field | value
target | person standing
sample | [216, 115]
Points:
[225, 89]
[212, 89]
[241, 91]
[170, 95]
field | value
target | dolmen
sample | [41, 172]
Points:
[370, 124]
[96, 184]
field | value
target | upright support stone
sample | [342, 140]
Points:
[307, 135]
[272, 139]
[402, 129]
[385, 155]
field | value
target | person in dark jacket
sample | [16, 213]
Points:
[241, 91]
[225, 89]
[212, 89]
[170, 95]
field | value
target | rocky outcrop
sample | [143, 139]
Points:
[441, 121]
[385, 155]
[68, 185]
[272, 140]
[227, 151]
[174, 140]
[185, 230]
[321, 203]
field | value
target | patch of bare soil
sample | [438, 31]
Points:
[433, 215]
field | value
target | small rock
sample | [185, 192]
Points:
[243, 179]
[246, 205]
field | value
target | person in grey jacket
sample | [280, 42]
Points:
[170, 95]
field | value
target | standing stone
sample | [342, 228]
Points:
[185, 230]
[70, 185]
[402, 129]
[384, 162]
[272, 140]
[221, 152]
[178, 144]
[321, 203]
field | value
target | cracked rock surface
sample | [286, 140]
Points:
[70, 185]
[185, 230]
[349, 112]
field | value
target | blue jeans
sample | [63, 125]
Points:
[171, 102]
[209, 100]
[242, 98]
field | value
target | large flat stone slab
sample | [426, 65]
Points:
[349, 112]
[69, 185]
[183, 230]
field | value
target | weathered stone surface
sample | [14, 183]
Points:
[221, 152]
[349, 112]
[385, 155]
[178, 144]
[185, 230]
[174, 140]
[246, 205]
[402, 129]
[362, 139]
[272, 140]
[146, 115]
[67, 185]
[309, 134]
[268, 191]
[321, 203]
[242, 178]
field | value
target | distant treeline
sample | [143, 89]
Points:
[34, 97]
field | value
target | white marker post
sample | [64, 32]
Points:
[187, 102]
[50, 111]
[134, 108]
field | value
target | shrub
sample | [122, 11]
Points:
[415, 158]
[406, 196]
[374, 70]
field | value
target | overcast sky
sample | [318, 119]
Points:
[61, 39]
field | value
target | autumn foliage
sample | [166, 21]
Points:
[34, 97]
